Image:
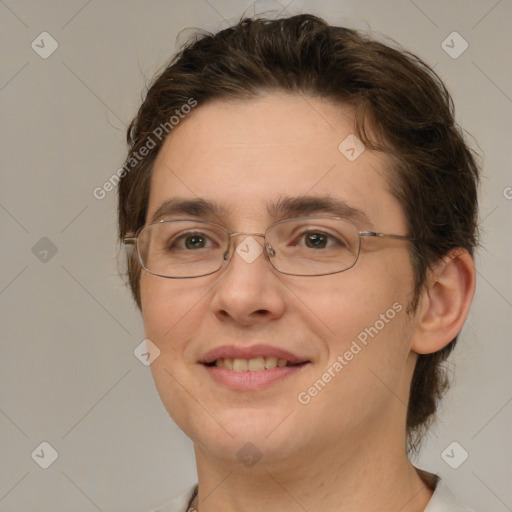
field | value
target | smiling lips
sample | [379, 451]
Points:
[250, 353]
[250, 368]
[254, 364]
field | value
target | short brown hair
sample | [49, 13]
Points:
[401, 108]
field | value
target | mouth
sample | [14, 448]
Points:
[255, 364]
[251, 368]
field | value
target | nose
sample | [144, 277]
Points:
[250, 290]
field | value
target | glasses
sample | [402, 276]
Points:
[306, 246]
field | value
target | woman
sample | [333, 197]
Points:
[299, 264]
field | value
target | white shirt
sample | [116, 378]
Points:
[442, 500]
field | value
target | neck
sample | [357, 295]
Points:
[350, 475]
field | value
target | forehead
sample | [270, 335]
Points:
[246, 154]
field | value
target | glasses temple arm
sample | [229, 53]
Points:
[385, 235]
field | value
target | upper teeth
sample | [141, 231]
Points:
[253, 365]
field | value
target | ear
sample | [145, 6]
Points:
[444, 302]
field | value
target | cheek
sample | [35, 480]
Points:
[170, 311]
[345, 304]
[366, 363]
[155, 308]
[374, 331]
[368, 338]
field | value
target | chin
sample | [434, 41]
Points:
[241, 434]
[248, 450]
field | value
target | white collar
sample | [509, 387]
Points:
[442, 500]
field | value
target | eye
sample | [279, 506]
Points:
[191, 241]
[319, 240]
[195, 242]
[316, 240]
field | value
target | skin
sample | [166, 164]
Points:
[345, 450]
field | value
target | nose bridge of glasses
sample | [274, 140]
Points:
[231, 248]
[239, 233]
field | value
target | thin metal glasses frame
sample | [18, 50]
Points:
[132, 239]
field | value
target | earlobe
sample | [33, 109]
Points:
[444, 302]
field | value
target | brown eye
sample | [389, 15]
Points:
[316, 240]
[195, 242]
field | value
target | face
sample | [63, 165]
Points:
[347, 335]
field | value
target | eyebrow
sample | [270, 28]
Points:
[307, 205]
[192, 207]
[285, 207]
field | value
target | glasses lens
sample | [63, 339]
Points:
[313, 246]
[182, 248]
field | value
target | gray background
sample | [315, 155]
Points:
[68, 330]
